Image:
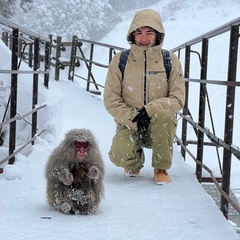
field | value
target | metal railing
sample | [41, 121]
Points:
[231, 84]
[17, 36]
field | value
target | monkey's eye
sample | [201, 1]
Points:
[81, 145]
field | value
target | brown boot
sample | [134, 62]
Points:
[131, 173]
[161, 176]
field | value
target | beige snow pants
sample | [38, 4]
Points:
[127, 145]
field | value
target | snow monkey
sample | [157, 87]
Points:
[74, 174]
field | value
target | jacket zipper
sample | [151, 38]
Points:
[145, 79]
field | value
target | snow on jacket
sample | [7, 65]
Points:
[145, 83]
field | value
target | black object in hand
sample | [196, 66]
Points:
[142, 119]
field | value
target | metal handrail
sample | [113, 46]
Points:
[222, 29]
[101, 44]
[10, 24]
[231, 84]
[21, 117]
[23, 71]
[214, 82]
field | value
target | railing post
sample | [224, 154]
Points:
[35, 86]
[72, 58]
[30, 55]
[47, 64]
[5, 38]
[13, 103]
[58, 55]
[51, 39]
[10, 42]
[90, 66]
[185, 109]
[110, 55]
[229, 115]
[20, 46]
[202, 107]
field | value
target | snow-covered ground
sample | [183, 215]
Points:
[133, 208]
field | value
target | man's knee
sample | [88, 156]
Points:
[164, 116]
[162, 133]
[163, 120]
[123, 147]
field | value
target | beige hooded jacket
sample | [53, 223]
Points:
[145, 83]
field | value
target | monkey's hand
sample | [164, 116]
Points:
[93, 173]
[66, 177]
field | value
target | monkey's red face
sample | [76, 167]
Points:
[81, 149]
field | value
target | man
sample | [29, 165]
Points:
[143, 101]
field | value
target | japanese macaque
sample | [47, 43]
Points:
[74, 174]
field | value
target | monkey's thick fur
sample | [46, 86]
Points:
[75, 186]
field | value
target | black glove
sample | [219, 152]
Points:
[142, 119]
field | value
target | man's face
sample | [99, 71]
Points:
[145, 37]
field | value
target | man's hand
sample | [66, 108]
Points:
[142, 119]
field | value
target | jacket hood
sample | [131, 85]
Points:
[148, 18]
